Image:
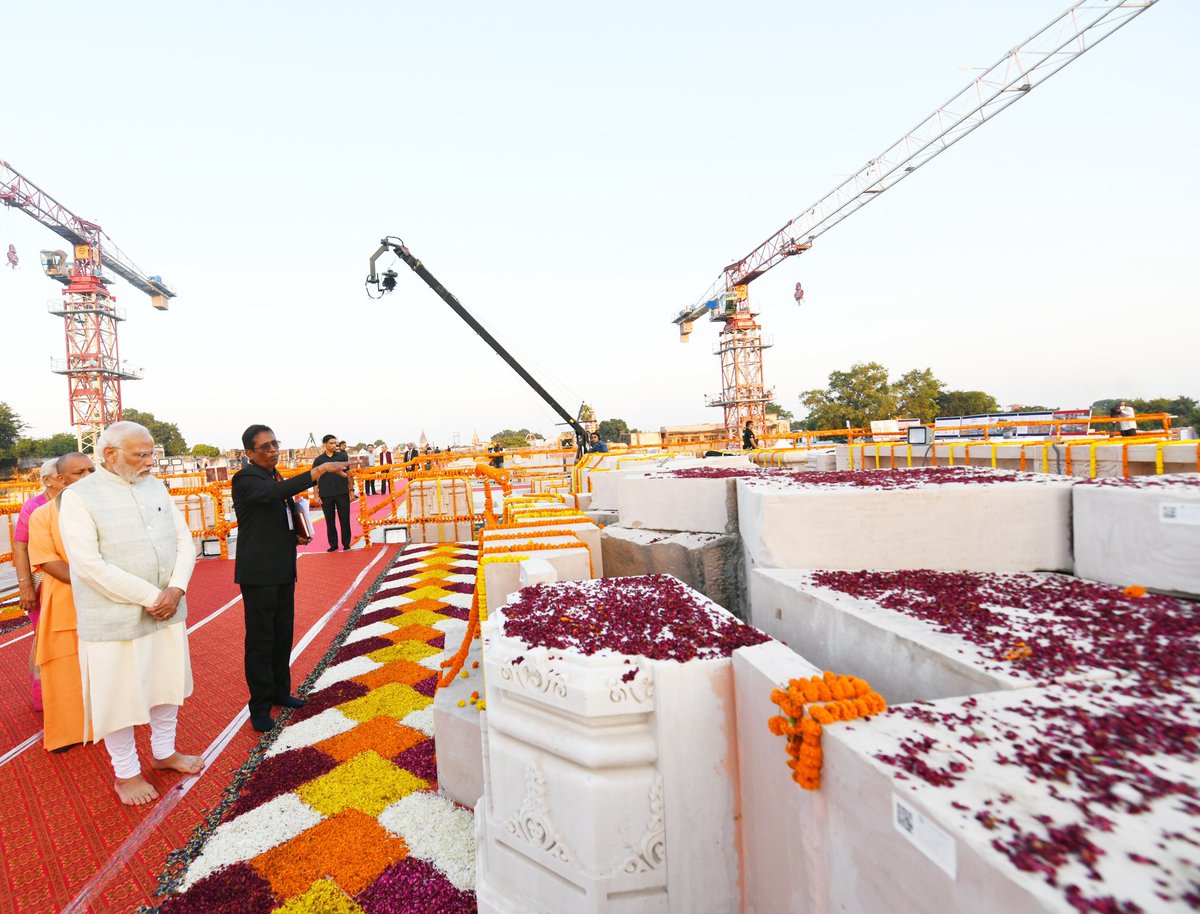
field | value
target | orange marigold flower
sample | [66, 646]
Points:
[1135, 591]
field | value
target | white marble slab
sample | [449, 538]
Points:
[1020, 525]
[1144, 531]
[907, 658]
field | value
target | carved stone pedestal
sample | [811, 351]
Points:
[609, 782]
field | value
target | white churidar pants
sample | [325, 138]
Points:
[122, 748]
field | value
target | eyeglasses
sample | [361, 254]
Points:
[141, 455]
[267, 446]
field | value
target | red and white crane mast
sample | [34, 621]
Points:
[93, 366]
[743, 396]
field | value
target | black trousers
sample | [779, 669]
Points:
[341, 504]
[369, 488]
[270, 613]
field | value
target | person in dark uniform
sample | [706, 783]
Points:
[334, 490]
[749, 442]
[269, 530]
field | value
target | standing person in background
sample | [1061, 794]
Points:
[269, 530]
[385, 459]
[334, 489]
[131, 556]
[372, 461]
[57, 641]
[27, 585]
[1128, 426]
[597, 445]
[749, 442]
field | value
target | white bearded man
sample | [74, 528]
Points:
[131, 557]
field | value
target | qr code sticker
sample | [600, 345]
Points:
[904, 818]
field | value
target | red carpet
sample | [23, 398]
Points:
[66, 843]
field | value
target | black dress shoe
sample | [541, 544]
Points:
[331, 549]
[291, 702]
[262, 722]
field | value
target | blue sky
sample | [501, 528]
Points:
[575, 174]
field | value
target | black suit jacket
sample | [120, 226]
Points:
[266, 548]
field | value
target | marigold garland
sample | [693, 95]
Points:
[517, 552]
[1019, 651]
[810, 704]
[454, 665]
[526, 521]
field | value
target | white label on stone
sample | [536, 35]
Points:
[928, 838]
[1179, 514]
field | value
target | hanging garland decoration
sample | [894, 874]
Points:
[515, 553]
[812, 703]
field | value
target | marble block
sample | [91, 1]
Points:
[778, 818]
[458, 532]
[665, 502]
[611, 782]
[708, 562]
[199, 511]
[903, 657]
[1143, 531]
[603, 485]
[504, 578]
[459, 743]
[937, 838]
[536, 571]
[944, 807]
[434, 497]
[1021, 523]
[587, 532]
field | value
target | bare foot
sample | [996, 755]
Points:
[176, 761]
[135, 791]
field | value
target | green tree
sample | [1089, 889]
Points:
[774, 409]
[165, 433]
[917, 394]
[11, 426]
[613, 429]
[853, 397]
[54, 446]
[205, 450]
[966, 403]
[511, 437]
[586, 413]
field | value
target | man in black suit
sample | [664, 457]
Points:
[335, 494]
[268, 532]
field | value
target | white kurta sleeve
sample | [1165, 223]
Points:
[78, 532]
[185, 553]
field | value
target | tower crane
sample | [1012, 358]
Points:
[90, 315]
[743, 395]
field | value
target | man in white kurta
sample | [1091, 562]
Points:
[131, 557]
